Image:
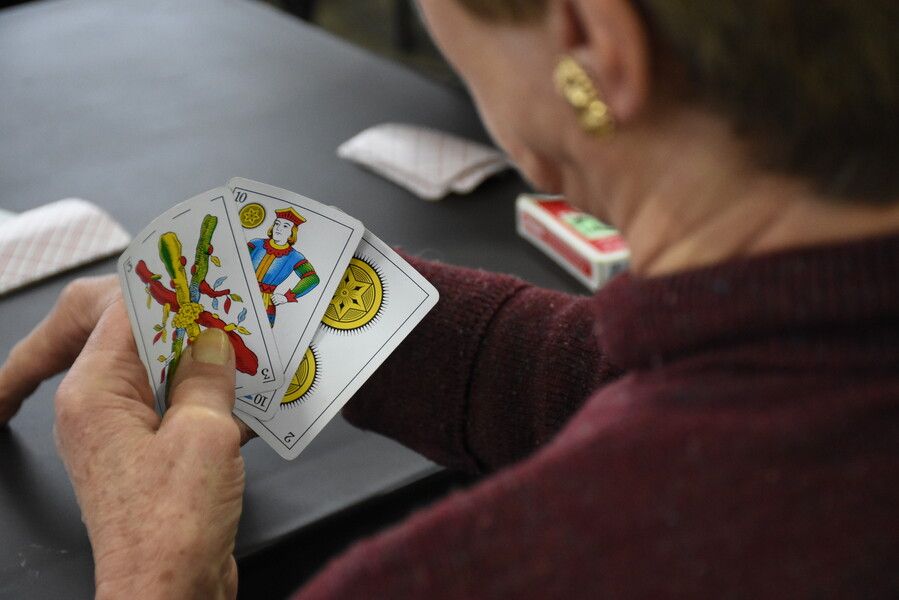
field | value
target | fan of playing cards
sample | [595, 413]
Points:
[311, 301]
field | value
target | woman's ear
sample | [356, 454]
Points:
[609, 40]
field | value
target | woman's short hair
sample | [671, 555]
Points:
[813, 85]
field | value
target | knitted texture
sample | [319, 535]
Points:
[745, 444]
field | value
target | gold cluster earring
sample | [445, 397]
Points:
[576, 87]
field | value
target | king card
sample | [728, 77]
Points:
[299, 249]
[187, 271]
[379, 300]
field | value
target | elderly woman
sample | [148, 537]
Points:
[721, 421]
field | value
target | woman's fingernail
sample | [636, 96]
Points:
[211, 346]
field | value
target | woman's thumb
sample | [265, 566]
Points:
[205, 374]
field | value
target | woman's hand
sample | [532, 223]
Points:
[160, 497]
[56, 341]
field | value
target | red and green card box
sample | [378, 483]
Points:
[590, 250]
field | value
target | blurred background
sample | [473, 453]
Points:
[390, 28]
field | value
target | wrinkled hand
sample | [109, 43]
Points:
[279, 299]
[160, 498]
[55, 343]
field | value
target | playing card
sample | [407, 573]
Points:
[299, 249]
[189, 270]
[380, 299]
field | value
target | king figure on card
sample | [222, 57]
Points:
[275, 259]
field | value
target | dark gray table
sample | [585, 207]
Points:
[138, 104]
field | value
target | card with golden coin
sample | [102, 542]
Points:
[380, 300]
[299, 250]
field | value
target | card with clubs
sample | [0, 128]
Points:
[379, 300]
[299, 249]
[187, 271]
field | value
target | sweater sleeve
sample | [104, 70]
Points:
[489, 375]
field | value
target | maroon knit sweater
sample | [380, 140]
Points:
[727, 432]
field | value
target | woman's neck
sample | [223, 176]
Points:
[744, 226]
[690, 199]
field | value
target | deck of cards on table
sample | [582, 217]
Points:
[311, 301]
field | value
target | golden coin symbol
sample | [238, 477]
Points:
[358, 297]
[252, 215]
[302, 380]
